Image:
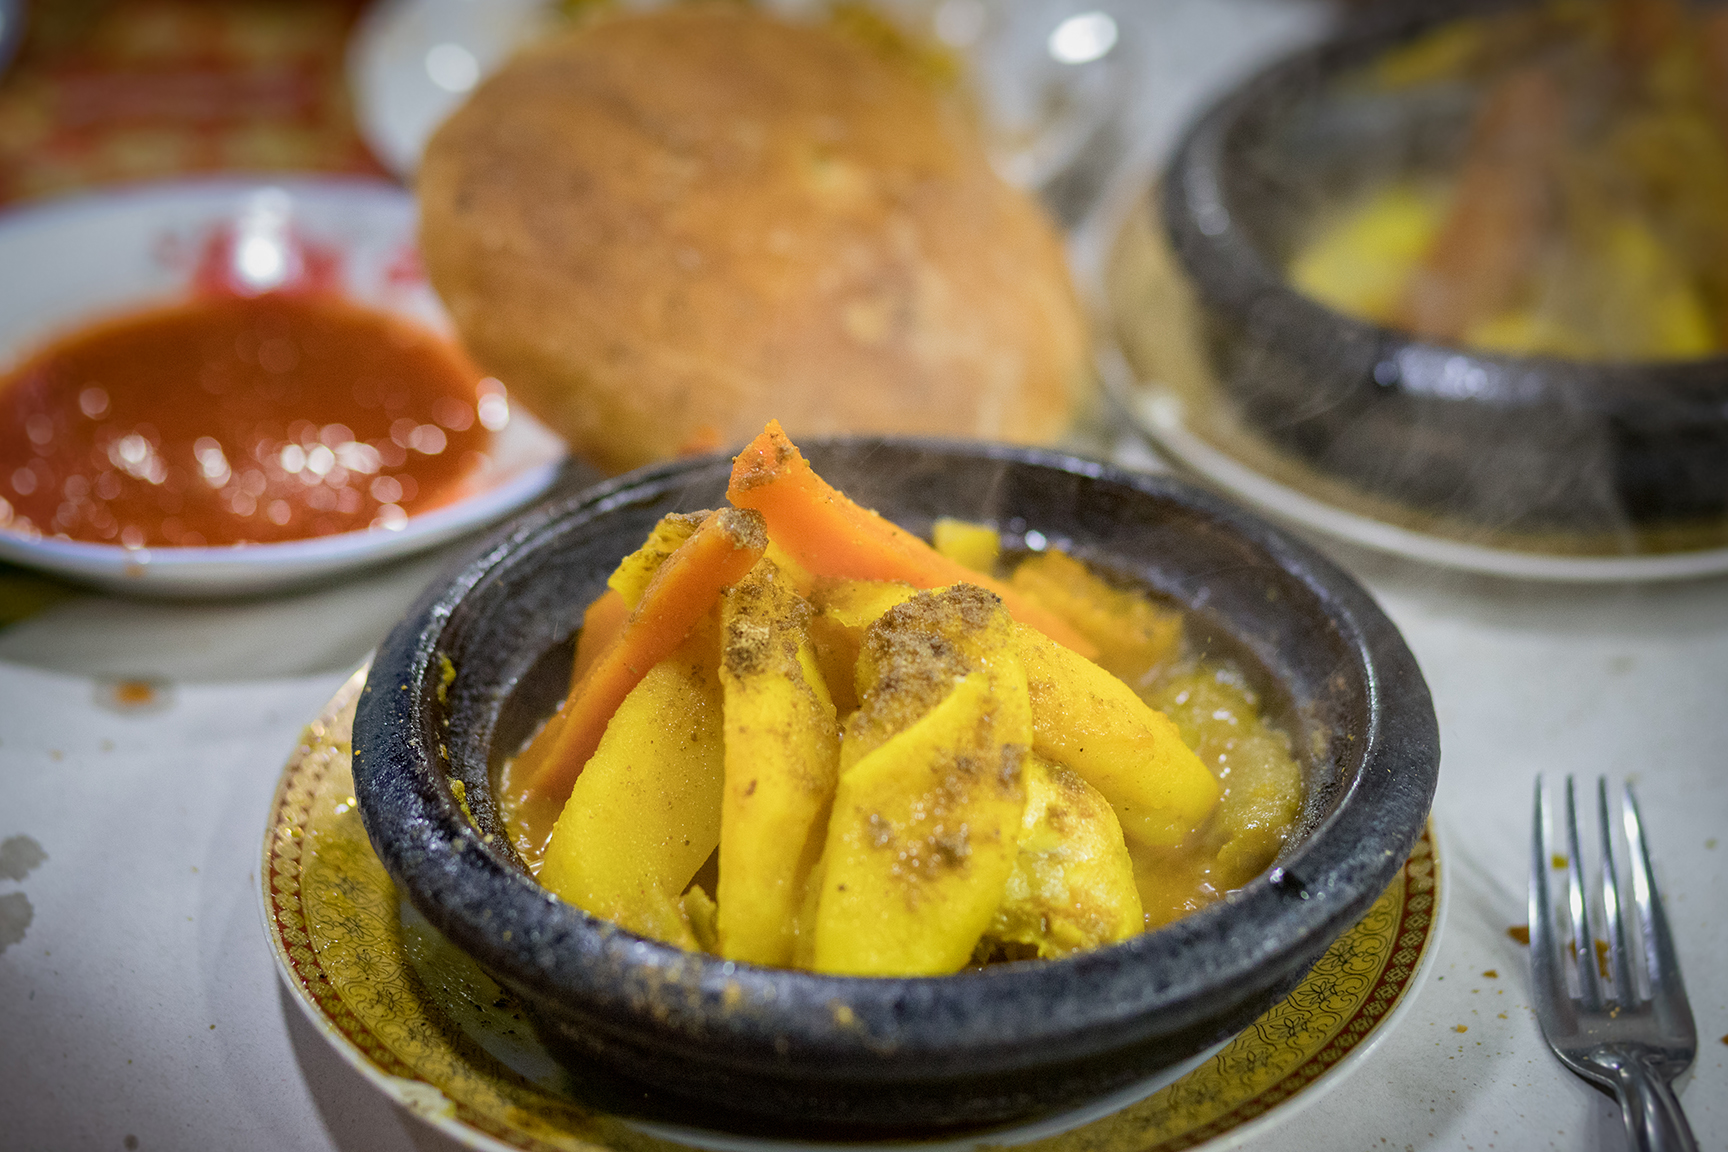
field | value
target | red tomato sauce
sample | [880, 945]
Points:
[232, 420]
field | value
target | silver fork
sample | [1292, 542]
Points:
[1607, 1031]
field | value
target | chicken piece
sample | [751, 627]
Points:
[1220, 719]
[1073, 881]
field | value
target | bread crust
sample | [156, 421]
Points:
[662, 230]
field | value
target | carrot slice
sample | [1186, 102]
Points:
[1504, 205]
[602, 624]
[1713, 44]
[726, 546]
[830, 535]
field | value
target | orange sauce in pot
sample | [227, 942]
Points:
[234, 420]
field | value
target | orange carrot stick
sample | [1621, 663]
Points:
[830, 535]
[1713, 46]
[1504, 203]
[602, 624]
[719, 553]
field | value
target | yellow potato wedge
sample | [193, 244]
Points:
[645, 813]
[911, 657]
[1093, 724]
[782, 759]
[630, 579]
[1133, 635]
[977, 546]
[926, 821]
[846, 609]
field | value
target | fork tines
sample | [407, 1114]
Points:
[1601, 962]
[1623, 1024]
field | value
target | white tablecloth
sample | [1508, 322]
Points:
[142, 1000]
[141, 1009]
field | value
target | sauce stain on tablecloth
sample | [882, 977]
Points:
[19, 855]
[134, 695]
[15, 917]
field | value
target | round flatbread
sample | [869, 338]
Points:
[663, 229]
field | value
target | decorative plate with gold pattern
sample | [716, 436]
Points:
[425, 1023]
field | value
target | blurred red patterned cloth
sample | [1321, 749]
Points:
[108, 91]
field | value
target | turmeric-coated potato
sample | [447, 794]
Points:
[1134, 636]
[926, 822]
[847, 608]
[978, 546]
[782, 758]
[910, 658]
[645, 812]
[630, 579]
[921, 843]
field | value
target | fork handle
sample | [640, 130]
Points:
[1654, 1121]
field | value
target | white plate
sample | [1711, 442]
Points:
[1050, 73]
[424, 1022]
[72, 261]
[1159, 413]
[411, 62]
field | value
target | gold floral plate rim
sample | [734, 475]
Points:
[344, 951]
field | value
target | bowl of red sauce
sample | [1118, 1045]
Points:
[221, 387]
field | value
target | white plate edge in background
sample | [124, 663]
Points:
[1159, 415]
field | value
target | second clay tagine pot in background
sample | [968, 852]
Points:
[1591, 455]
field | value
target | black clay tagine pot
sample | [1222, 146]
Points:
[672, 1035]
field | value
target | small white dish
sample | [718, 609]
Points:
[411, 62]
[86, 258]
